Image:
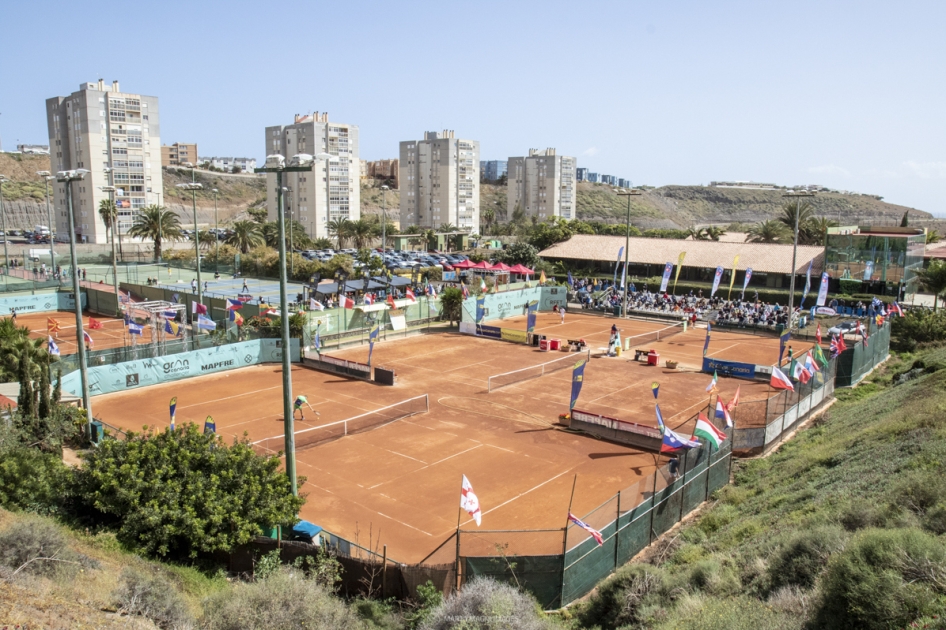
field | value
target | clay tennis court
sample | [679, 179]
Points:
[112, 334]
[400, 481]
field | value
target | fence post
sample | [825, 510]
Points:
[384, 569]
[617, 529]
[653, 505]
[686, 463]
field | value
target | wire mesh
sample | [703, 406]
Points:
[536, 371]
[656, 335]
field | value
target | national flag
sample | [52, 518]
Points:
[199, 309]
[588, 528]
[735, 401]
[123, 297]
[169, 314]
[782, 340]
[660, 420]
[895, 308]
[571, 281]
[53, 347]
[390, 301]
[469, 501]
[860, 329]
[542, 278]
[722, 413]
[172, 328]
[315, 305]
[209, 425]
[466, 292]
[410, 295]
[818, 333]
[482, 285]
[819, 355]
[318, 342]
[88, 338]
[235, 317]
[346, 302]
[135, 329]
[368, 299]
[804, 293]
[205, 323]
[800, 372]
[879, 321]
[95, 324]
[673, 442]
[837, 345]
[709, 328]
[233, 305]
[52, 326]
[780, 381]
[810, 363]
[244, 297]
[176, 298]
[711, 388]
[372, 337]
[578, 378]
[173, 411]
[431, 291]
[705, 429]
[655, 388]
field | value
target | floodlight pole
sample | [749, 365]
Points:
[627, 245]
[49, 217]
[216, 234]
[791, 285]
[3, 226]
[288, 419]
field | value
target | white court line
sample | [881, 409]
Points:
[724, 349]
[371, 510]
[456, 454]
[403, 455]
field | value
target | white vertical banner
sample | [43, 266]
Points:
[668, 268]
[745, 282]
[719, 276]
[823, 290]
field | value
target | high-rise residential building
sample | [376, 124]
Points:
[230, 164]
[593, 178]
[331, 191]
[179, 153]
[581, 174]
[440, 182]
[542, 184]
[491, 171]
[101, 128]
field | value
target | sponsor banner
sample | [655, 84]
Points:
[468, 328]
[729, 368]
[492, 332]
[668, 268]
[615, 424]
[344, 363]
[825, 310]
[515, 302]
[823, 290]
[40, 302]
[716, 278]
[512, 334]
[450, 276]
[106, 379]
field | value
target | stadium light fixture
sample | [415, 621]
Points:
[3, 226]
[791, 284]
[627, 242]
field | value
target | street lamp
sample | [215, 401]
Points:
[111, 192]
[384, 217]
[3, 226]
[791, 286]
[67, 177]
[301, 163]
[216, 233]
[46, 175]
[627, 242]
[193, 187]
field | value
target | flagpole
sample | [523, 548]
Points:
[565, 531]
[459, 516]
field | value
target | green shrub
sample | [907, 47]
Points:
[918, 327]
[487, 604]
[738, 613]
[624, 597]
[883, 579]
[713, 577]
[31, 480]
[799, 562]
[151, 596]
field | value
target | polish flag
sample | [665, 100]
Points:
[780, 381]
[469, 501]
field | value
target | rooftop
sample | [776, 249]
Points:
[760, 257]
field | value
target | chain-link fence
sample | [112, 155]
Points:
[338, 327]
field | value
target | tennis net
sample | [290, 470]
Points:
[536, 371]
[307, 438]
[656, 335]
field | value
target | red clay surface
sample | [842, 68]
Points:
[401, 481]
[113, 333]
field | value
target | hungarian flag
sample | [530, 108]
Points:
[780, 381]
[199, 309]
[52, 326]
[673, 442]
[735, 400]
[818, 333]
[233, 305]
[588, 528]
[722, 413]
[95, 324]
[88, 338]
[705, 429]
[346, 302]
[469, 501]
[410, 295]
[315, 305]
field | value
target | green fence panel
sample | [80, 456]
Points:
[588, 563]
[539, 575]
[719, 470]
[667, 508]
[694, 492]
[634, 534]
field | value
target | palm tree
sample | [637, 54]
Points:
[451, 304]
[817, 227]
[341, 230]
[270, 233]
[109, 213]
[767, 232]
[322, 243]
[157, 224]
[697, 233]
[447, 227]
[206, 239]
[487, 216]
[933, 279]
[412, 229]
[430, 236]
[714, 232]
[362, 231]
[805, 213]
[245, 236]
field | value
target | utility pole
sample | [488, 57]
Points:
[791, 285]
[627, 244]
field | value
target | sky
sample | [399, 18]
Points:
[844, 94]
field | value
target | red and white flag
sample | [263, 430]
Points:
[469, 501]
[735, 400]
[88, 338]
[197, 308]
[346, 302]
[410, 295]
[588, 528]
[818, 334]
[780, 381]
[95, 324]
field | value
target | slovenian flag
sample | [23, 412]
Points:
[53, 347]
[88, 338]
[673, 442]
[705, 429]
[722, 413]
[780, 381]
[588, 528]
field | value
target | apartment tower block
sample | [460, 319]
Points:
[542, 184]
[440, 182]
[332, 190]
[99, 128]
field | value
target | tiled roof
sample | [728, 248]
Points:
[761, 257]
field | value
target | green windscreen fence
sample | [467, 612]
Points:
[540, 575]
[858, 360]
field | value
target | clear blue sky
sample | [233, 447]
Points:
[845, 94]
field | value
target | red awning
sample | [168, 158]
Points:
[463, 264]
[501, 267]
[482, 265]
[522, 270]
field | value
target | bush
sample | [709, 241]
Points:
[623, 598]
[284, 601]
[26, 542]
[918, 326]
[740, 613]
[31, 480]
[151, 596]
[487, 604]
[801, 561]
[883, 579]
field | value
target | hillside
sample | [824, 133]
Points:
[667, 206]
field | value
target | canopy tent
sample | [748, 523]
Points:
[501, 267]
[522, 270]
[482, 265]
[394, 281]
[464, 264]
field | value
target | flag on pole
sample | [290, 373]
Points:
[173, 411]
[469, 501]
[668, 268]
[578, 377]
[705, 429]
[431, 291]
[346, 302]
[52, 326]
[135, 329]
[679, 266]
[734, 402]
[709, 328]
[88, 338]
[800, 372]
[95, 324]
[722, 413]
[169, 314]
[711, 388]
[172, 328]
[209, 425]
[410, 295]
[199, 309]
[531, 313]
[823, 290]
[466, 292]
[315, 305]
[810, 363]
[895, 309]
[655, 387]
[660, 420]
[780, 381]
[205, 323]
[482, 285]
[818, 333]
[745, 283]
[673, 442]
[819, 355]
[480, 308]
[53, 347]
[782, 340]
[588, 528]
[372, 337]
[732, 278]
[617, 264]
[232, 305]
[236, 318]
[368, 300]
[804, 293]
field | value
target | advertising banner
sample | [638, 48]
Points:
[668, 268]
[716, 279]
[729, 368]
[823, 290]
[40, 302]
[745, 282]
[512, 334]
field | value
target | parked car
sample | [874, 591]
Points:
[843, 327]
